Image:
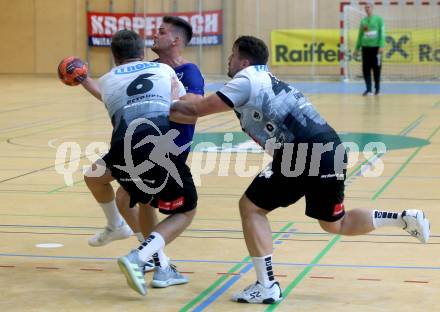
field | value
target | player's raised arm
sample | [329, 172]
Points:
[92, 87]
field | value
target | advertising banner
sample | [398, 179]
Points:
[207, 26]
[321, 46]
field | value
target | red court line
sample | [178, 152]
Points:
[369, 279]
[7, 266]
[323, 277]
[88, 269]
[226, 273]
[419, 282]
[47, 268]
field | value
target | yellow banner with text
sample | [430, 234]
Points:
[321, 46]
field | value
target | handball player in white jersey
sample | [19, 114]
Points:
[143, 157]
[308, 161]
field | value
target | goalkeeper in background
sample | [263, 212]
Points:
[371, 39]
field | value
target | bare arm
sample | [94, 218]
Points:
[200, 107]
[92, 87]
[185, 119]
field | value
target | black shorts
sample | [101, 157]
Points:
[323, 187]
[156, 185]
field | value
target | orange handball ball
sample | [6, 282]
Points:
[72, 71]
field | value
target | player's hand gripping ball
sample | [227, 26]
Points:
[72, 71]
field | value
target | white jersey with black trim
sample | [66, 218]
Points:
[138, 89]
[270, 108]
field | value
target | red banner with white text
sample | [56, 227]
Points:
[207, 26]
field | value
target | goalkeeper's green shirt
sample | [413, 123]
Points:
[371, 32]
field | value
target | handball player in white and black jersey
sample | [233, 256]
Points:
[308, 161]
[143, 156]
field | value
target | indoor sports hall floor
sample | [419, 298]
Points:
[384, 271]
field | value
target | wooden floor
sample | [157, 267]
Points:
[384, 271]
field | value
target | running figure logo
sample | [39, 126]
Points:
[159, 155]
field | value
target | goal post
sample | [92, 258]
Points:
[412, 39]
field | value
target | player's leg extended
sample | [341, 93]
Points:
[102, 191]
[354, 222]
[363, 221]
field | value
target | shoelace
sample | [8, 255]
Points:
[250, 286]
[414, 233]
[106, 233]
[173, 267]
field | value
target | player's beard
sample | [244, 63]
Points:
[155, 49]
[230, 75]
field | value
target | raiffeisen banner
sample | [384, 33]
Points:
[207, 26]
[304, 46]
[321, 46]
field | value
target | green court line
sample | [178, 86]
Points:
[412, 124]
[55, 190]
[396, 174]
[304, 272]
[358, 167]
[220, 280]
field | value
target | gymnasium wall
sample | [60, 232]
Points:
[36, 34]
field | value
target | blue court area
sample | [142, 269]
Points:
[352, 87]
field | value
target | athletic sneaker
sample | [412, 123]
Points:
[167, 277]
[130, 265]
[416, 224]
[367, 93]
[148, 266]
[109, 235]
[256, 293]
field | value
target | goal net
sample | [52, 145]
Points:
[412, 41]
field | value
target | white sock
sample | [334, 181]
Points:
[385, 218]
[263, 267]
[160, 259]
[140, 237]
[114, 218]
[151, 245]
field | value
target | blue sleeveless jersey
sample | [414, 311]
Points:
[191, 78]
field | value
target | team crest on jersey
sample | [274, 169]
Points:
[257, 116]
[270, 128]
